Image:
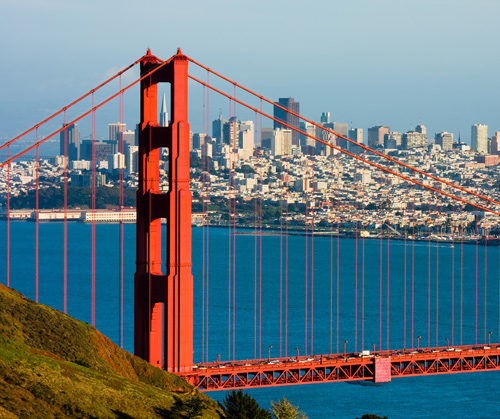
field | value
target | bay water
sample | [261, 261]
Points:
[455, 287]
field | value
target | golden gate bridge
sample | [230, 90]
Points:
[163, 293]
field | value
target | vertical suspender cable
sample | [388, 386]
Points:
[452, 278]
[413, 272]
[356, 258]
[120, 225]
[93, 266]
[65, 250]
[286, 255]
[437, 270]
[207, 223]
[429, 279]
[306, 284]
[229, 256]
[363, 258]
[255, 200]
[477, 264]
[8, 217]
[260, 241]
[203, 253]
[388, 256]
[380, 262]
[207, 168]
[331, 258]
[234, 237]
[405, 267]
[281, 239]
[37, 193]
[312, 250]
[485, 279]
[338, 247]
[461, 271]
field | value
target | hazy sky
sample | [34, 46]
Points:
[394, 62]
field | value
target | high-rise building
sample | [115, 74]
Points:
[246, 140]
[101, 149]
[325, 118]
[231, 132]
[116, 161]
[114, 130]
[281, 142]
[376, 135]
[392, 140]
[131, 159]
[421, 129]
[284, 116]
[218, 128]
[414, 139]
[70, 140]
[342, 129]
[479, 138]
[163, 113]
[495, 143]
[356, 135]
[199, 140]
[445, 140]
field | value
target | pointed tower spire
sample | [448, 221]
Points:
[164, 113]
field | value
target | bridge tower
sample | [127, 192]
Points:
[163, 305]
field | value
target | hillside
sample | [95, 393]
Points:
[53, 366]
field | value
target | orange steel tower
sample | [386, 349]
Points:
[163, 324]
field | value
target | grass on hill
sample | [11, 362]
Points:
[52, 366]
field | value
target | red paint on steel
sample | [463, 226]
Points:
[65, 232]
[174, 289]
[37, 196]
[63, 110]
[360, 158]
[93, 109]
[379, 367]
[8, 218]
[337, 134]
[382, 370]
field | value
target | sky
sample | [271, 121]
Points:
[385, 62]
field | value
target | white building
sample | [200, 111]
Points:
[479, 138]
[116, 161]
[246, 140]
[79, 165]
[281, 142]
[131, 159]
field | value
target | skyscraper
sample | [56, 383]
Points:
[231, 132]
[281, 142]
[114, 129]
[479, 138]
[356, 135]
[71, 137]
[217, 129]
[292, 120]
[376, 135]
[444, 139]
[342, 129]
[325, 118]
[164, 113]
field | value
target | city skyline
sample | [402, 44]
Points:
[386, 63]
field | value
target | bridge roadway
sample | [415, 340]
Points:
[376, 367]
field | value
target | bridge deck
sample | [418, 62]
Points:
[378, 367]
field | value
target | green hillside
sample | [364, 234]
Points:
[53, 366]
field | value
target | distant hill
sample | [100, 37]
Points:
[53, 366]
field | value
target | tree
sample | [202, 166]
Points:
[239, 405]
[189, 409]
[372, 416]
[283, 409]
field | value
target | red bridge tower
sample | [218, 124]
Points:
[163, 324]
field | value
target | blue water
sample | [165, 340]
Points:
[451, 396]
